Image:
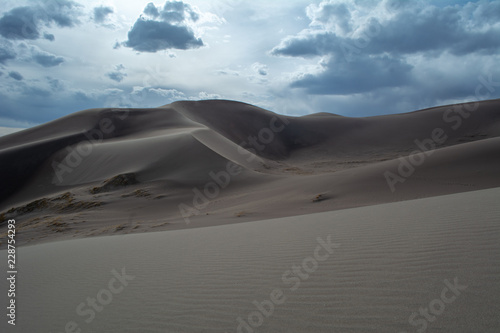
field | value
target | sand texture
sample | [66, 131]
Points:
[386, 262]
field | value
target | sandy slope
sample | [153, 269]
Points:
[105, 171]
[388, 263]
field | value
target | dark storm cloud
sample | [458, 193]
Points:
[435, 30]
[415, 30]
[168, 29]
[16, 75]
[46, 59]
[361, 75]
[100, 13]
[27, 21]
[375, 54]
[20, 23]
[153, 36]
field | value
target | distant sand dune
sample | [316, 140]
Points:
[283, 164]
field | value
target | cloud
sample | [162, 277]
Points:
[27, 21]
[16, 75]
[177, 12]
[309, 44]
[24, 52]
[165, 28]
[101, 13]
[46, 59]
[366, 48]
[227, 71]
[260, 69]
[49, 37]
[172, 94]
[151, 10]
[364, 74]
[153, 36]
[117, 75]
[6, 52]
[432, 29]
[203, 95]
[55, 84]
[334, 15]
[9, 130]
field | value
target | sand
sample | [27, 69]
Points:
[219, 216]
[196, 164]
[387, 262]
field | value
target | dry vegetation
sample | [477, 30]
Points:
[114, 183]
[319, 197]
[65, 203]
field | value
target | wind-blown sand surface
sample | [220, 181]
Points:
[196, 164]
[388, 262]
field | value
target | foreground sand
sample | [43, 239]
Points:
[196, 164]
[389, 261]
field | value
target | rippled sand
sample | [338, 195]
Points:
[388, 262]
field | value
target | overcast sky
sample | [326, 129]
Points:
[354, 58]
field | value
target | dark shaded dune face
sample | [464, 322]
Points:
[20, 164]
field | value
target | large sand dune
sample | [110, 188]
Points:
[191, 164]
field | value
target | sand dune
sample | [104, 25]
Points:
[192, 164]
[386, 264]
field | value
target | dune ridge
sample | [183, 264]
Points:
[282, 165]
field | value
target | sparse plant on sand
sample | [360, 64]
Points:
[319, 197]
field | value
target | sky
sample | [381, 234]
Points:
[349, 57]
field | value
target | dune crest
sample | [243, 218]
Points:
[217, 162]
